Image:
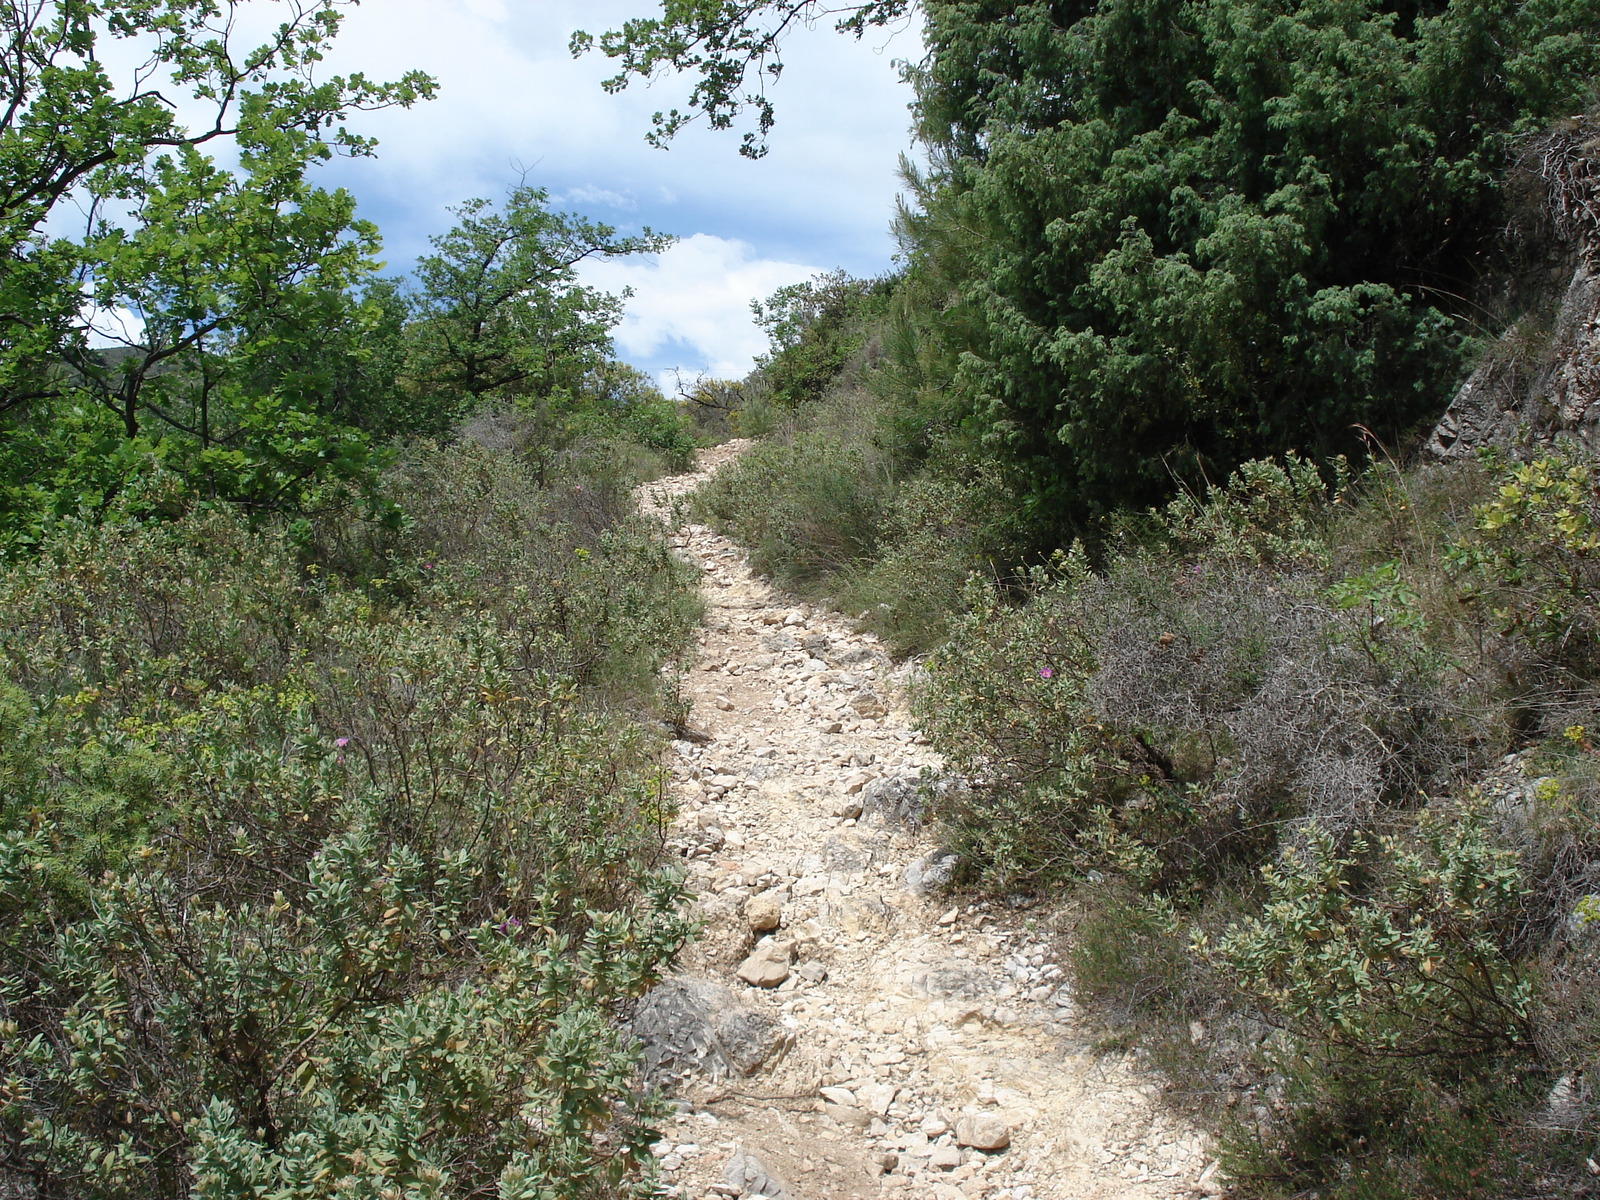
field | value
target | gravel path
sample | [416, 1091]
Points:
[843, 1030]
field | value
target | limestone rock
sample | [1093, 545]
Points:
[868, 706]
[983, 1131]
[752, 1176]
[848, 1116]
[767, 966]
[847, 809]
[763, 913]
[877, 1098]
[694, 1024]
[945, 1158]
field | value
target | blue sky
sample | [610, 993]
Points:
[513, 100]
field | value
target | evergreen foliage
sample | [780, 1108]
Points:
[1178, 235]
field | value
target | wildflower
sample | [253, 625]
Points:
[341, 742]
[1045, 672]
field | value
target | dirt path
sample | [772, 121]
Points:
[888, 1035]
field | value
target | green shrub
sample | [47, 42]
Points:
[1396, 950]
[1215, 697]
[1529, 563]
[809, 506]
[944, 523]
[315, 888]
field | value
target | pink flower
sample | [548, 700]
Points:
[1045, 672]
[341, 742]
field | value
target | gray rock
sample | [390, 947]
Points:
[689, 1024]
[924, 875]
[840, 856]
[895, 799]
[752, 1176]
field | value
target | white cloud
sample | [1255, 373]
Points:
[514, 104]
[594, 197]
[512, 99]
[692, 303]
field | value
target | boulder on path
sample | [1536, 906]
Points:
[763, 913]
[983, 1131]
[767, 966]
[687, 1024]
[895, 799]
[753, 1177]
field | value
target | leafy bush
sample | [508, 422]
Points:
[1531, 560]
[1407, 965]
[1245, 743]
[809, 505]
[1005, 707]
[1410, 1025]
[309, 889]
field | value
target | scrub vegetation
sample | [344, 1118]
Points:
[1300, 726]
[335, 661]
[331, 651]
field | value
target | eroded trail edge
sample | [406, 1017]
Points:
[843, 1029]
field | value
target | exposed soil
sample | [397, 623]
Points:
[891, 1023]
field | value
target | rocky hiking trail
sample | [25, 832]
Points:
[842, 1030]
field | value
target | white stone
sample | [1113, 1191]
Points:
[983, 1131]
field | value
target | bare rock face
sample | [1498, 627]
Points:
[1542, 378]
[695, 1025]
[983, 1131]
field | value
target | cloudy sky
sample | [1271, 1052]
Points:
[512, 100]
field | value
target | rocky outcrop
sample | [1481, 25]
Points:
[1541, 380]
[692, 1027]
